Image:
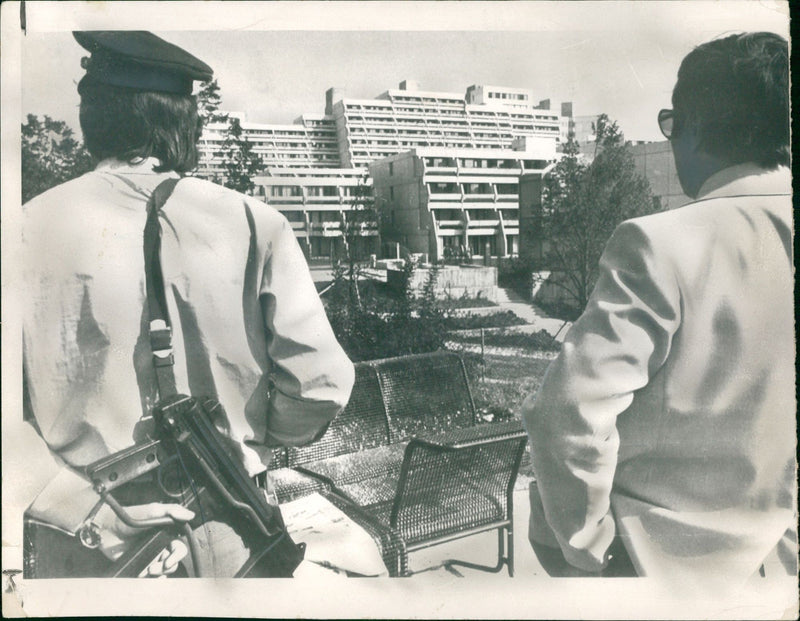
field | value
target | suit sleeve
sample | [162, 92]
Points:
[613, 349]
[312, 376]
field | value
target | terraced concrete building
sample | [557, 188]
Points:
[441, 201]
[407, 118]
[322, 205]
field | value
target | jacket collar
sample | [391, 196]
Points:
[141, 167]
[747, 179]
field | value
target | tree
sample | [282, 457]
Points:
[239, 162]
[582, 204]
[209, 102]
[50, 156]
[356, 221]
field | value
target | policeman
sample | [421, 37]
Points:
[248, 326]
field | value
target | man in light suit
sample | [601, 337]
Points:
[668, 419]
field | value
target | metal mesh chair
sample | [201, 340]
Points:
[406, 458]
[424, 394]
[436, 489]
[391, 545]
[289, 484]
[366, 478]
[458, 484]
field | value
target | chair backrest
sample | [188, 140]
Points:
[361, 425]
[442, 492]
[424, 394]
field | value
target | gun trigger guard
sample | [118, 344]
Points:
[89, 535]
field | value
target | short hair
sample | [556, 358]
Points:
[130, 124]
[736, 91]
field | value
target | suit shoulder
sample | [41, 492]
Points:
[668, 223]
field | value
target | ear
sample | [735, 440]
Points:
[691, 133]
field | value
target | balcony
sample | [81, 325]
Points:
[316, 200]
[450, 224]
[479, 198]
[475, 222]
[284, 200]
[326, 229]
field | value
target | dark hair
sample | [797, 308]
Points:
[736, 91]
[130, 124]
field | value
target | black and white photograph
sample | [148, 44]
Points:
[398, 310]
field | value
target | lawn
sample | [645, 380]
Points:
[502, 379]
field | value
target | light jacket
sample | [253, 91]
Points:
[669, 416]
[248, 325]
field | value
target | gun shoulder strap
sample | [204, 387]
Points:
[160, 326]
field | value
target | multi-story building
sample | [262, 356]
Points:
[323, 205]
[309, 142]
[434, 198]
[407, 118]
[654, 160]
[580, 126]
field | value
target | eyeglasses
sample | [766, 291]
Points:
[666, 119]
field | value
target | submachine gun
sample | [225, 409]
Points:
[190, 464]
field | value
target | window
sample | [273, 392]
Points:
[477, 244]
[506, 188]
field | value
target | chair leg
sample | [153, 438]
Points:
[510, 550]
[504, 545]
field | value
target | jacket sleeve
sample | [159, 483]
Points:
[614, 348]
[48, 490]
[311, 375]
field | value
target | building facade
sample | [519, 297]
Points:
[326, 208]
[437, 201]
[654, 160]
[408, 118]
[309, 142]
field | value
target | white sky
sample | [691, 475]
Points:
[275, 62]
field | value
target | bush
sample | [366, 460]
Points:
[369, 325]
[495, 320]
[541, 340]
[560, 310]
[517, 274]
[465, 302]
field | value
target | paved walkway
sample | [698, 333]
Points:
[534, 316]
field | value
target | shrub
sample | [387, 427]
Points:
[495, 320]
[516, 273]
[541, 340]
[369, 325]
